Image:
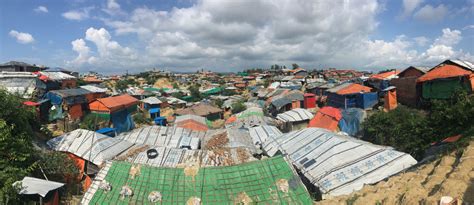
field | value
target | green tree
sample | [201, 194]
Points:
[16, 150]
[238, 107]
[195, 94]
[219, 103]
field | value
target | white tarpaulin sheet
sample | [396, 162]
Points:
[295, 115]
[260, 134]
[31, 185]
[338, 164]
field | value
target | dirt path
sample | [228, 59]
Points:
[449, 176]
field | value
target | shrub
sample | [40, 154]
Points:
[238, 107]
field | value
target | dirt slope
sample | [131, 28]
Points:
[449, 176]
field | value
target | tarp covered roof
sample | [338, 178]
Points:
[327, 117]
[196, 118]
[444, 71]
[94, 89]
[349, 88]
[71, 92]
[201, 109]
[266, 181]
[385, 75]
[112, 104]
[295, 115]
[338, 164]
[57, 76]
[31, 185]
[89, 145]
[261, 134]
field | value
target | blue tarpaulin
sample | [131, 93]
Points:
[107, 131]
[351, 120]
[122, 121]
[160, 121]
[367, 100]
[53, 98]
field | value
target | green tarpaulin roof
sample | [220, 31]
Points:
[269, 181]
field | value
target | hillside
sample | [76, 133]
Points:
[451, 175]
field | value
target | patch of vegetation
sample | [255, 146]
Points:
[238, 107]
[412, 131]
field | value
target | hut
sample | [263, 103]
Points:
[350, 95]
[202, 109]
[116, 110]
[39, 190]
[295, 119]
[407, 91]
[73, 102]
[444, 79]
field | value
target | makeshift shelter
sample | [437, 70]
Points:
[250, 117]
[229, 138]
[381, 81]
[338, 164]
[408, 93]
[97, 92]
[444, 79]
[163, 136]
[25, 85]
[286, 101]
[390, 98]
[350, 95]
[117, 110]
[202, 109]
[261, 134]
[57, 80]
[192, 122]
[150, 102]
[173, 157]
[327, 118]
[351, 120]
[89, 145]
[71, 101]
[31, 188]
[295, 119]
[266, 181]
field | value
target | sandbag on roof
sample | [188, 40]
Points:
[172, 157]
[338, 164]
[173, 137]
[269, 181]
[80, 142]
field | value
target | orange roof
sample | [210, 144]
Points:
[92, 79]
[192, 125]
[354, 88]
[384, 75]
[444, 71]
[231, 119]
[112, 104]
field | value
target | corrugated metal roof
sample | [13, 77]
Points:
[89, 145]
[71, 92]
[163, 136]
[172, 157]
[21, 83]
[338, 164]
[94, 89]
[152, 100]
[295, 115]
[236, 138]
[261, 134]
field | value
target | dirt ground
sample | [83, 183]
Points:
[448, 176]
[163, 83]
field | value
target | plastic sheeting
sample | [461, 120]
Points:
[390, 100]
[351, 120]
[122, 121]
[367, 100]
[338, 164]
[327, 117]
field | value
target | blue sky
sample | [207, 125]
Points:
[112, 36]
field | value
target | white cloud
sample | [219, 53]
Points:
[41, 9]
[468, 27]
[110, 53]
[431, 14]
[23, 38]
[421, 40]
[409, 6]
[229, 35]
[113, 8]
[77, 15]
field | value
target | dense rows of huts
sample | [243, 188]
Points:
[298, 132]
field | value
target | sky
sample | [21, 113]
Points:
[114, 36]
